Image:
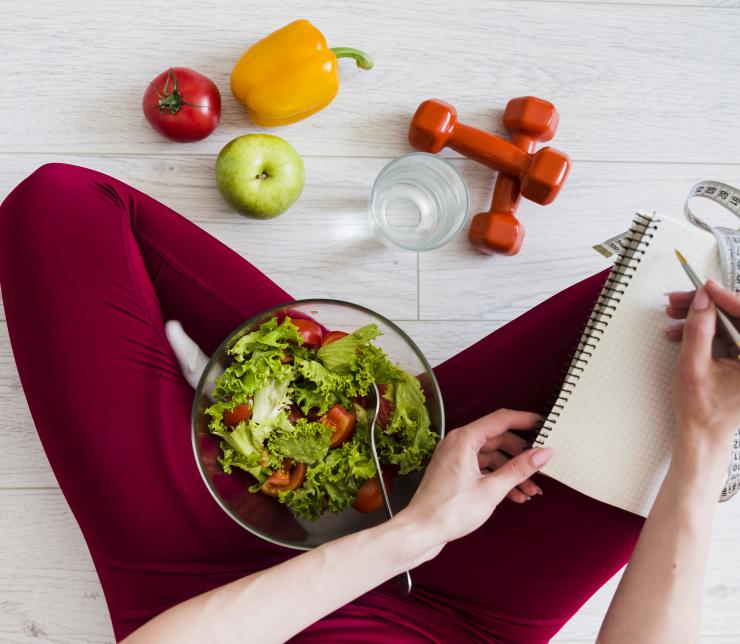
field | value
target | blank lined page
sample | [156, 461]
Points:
[612, 438]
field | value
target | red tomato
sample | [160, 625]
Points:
[310, 331]
[294, 414]
[289, 477]
[333, 336]
[233, 417]
[370, 497]
[342, 423]
[182, 104]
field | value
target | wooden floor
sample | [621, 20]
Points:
[648, 94]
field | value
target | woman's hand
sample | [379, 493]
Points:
[706, 391]
[659, 595]
[459, 491]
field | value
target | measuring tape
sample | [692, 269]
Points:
[728, 243]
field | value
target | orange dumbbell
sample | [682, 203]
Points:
[540, 175]
[528, 120]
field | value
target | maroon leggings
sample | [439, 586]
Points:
[90, 268]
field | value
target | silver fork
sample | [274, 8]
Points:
[403, 579]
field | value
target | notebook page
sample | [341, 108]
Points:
[612, 439]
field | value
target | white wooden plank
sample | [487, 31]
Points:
[440, 340]
[713, 4]
[48, 588]
[322, 246]
[22, 459]
[630, 83]
[597, 203]
[720, 602]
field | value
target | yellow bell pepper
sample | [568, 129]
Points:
[290, 74]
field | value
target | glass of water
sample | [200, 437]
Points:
[419, 202]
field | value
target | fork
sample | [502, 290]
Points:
[403, 579]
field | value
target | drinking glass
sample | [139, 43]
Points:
[419, 202]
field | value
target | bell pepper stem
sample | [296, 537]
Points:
[362, 59]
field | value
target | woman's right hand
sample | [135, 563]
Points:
[469, 475]
[706, 391]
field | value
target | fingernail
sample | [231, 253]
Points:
[529, 498]
[539, 490]
[541, 455]
[714, 283]
[701, 300]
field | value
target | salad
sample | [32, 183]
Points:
[291, 409]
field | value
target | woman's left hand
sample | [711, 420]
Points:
[459, 492]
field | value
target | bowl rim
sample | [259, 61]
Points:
[252, 320]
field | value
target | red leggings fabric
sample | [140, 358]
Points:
[90, 268]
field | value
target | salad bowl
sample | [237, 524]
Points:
[263, 515]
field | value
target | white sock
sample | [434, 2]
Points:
[189, 355]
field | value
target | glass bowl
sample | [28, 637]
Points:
[265, 516]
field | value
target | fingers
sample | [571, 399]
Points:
[493, 425]
[680, 301]
[698, 332]
[516, 471]
[675, 333]
[724, 298]
[507, 442]
[524, 491]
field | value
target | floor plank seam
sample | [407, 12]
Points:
[213, 155]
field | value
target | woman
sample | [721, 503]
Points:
[90, 268]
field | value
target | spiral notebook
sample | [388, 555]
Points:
[612, 423]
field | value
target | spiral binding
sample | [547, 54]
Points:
[634, 246]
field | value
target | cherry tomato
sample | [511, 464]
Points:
[289, 477]
[310, 331]
[342, 423]
[333, 336]
[233, 417]
[294, 414]
[182, 104]
[370, 497]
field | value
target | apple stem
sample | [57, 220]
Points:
[363, 60]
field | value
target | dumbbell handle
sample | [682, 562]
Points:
[506, 192]
[489, 149]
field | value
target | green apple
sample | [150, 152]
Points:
[259, 175]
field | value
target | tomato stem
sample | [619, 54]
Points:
[174, 101]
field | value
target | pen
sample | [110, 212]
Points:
[726, 323]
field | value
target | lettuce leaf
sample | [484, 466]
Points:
[319, 387]
[269, 335]
[305, 442]
[342, 355]
[407, 441]
[332, 484]
[270, 399]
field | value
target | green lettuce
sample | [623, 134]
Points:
[407, 441]
[305, 442]
[315, 380]
[341, 355]
[332, 484]
[271, 398]
[269, 335]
